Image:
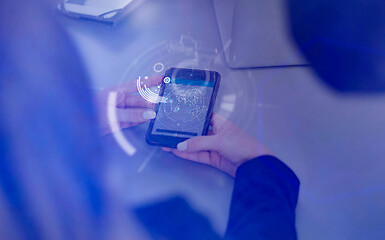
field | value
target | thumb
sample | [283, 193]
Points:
[196, 144]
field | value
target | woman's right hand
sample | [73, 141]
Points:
[226, 147]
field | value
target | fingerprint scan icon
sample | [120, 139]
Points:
[146, 92]
[166, 80]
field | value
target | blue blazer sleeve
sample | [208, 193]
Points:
[264, 201]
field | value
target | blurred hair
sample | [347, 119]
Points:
[343, 40]
[50, 159]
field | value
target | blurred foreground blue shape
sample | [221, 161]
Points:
[175, 219]
[49, 158]
[343, 40]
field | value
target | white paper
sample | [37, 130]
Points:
[96, 7]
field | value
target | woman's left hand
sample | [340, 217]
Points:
[130, 110]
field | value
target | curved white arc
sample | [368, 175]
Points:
[147, 94]
[114, 125]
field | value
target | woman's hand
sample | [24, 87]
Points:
[226, 147]
[130, 109]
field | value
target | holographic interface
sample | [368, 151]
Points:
[182, 52]
[183, 113]
[146, 92]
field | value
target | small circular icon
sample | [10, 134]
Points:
[166, 80]
[158, 67]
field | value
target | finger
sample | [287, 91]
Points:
[129, 124]
[166, 149]
[209, 158]
[217, 119]
[218, 123]
[201, 143]
[137, 101]
[134, 115]
[201, 157]
[131, 86]
[152, 80]
[122, 125]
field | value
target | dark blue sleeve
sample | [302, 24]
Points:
[264, 201]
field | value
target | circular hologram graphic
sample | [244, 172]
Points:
[146, 93]
[166, 80]
[158, 67]
[183, 106]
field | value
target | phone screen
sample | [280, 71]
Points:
[185, 107]
[184, 110]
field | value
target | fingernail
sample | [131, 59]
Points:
[182, 146]
[149, 115]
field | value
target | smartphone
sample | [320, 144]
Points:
[187, 98]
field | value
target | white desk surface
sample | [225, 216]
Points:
[334, 143]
